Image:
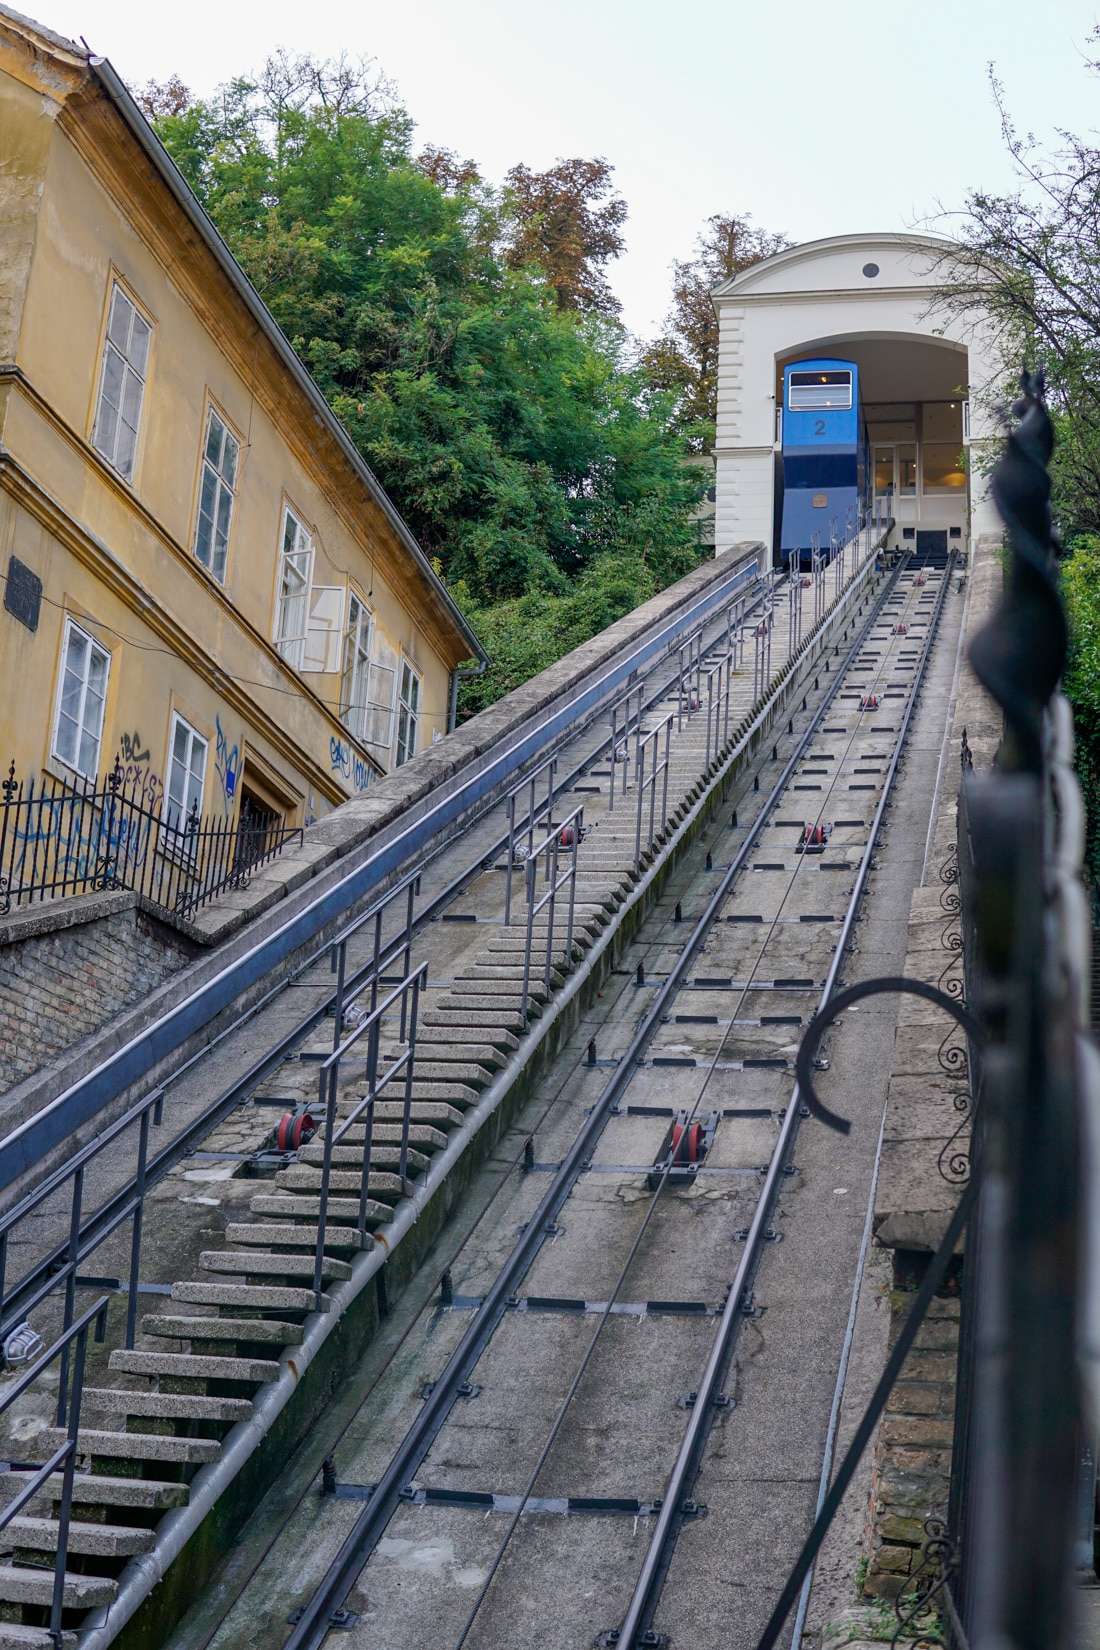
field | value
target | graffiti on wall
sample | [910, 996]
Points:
[130, 748]
[351, 766]
[227, 761]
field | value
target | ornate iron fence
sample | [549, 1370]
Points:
[58, 839]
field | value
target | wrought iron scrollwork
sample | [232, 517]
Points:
[915, 1608]
[952, 1054]
[953, 1162]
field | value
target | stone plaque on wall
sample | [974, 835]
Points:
[23, 593]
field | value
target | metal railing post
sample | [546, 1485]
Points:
[511, 857]
[410, 1061]
[529, 872]
[327, 1085]
[135, 1234]
[70, 1283]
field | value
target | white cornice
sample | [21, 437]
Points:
[809, 250]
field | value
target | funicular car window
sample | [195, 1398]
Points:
[811, 391]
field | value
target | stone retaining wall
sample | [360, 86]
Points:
[68, 967]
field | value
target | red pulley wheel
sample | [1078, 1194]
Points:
[294, 1131]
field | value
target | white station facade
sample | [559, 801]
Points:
[924, 380]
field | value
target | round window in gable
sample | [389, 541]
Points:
[870, 270]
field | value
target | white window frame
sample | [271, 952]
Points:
[325, 630]
[292, 604]
[355, 676]
[123, 369]
[408, 712]
[221, 491]
[176, 812]
[95, 650]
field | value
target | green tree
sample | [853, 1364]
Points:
[684, 360]
[508, 424]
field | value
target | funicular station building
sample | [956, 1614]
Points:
[924, 376]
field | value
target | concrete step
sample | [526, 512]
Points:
[494, 1025]
[301, 1177]
[463, 998]
[444, 1051]
[265, 1297]
[424, 1139]
[19, 1586]
[195, 1366]
[382, 1159]
[96, 1540]
[452, 1092]
[275, 1266]
[14, 1636]
[132, 1446]
[507, 945]
[437, 1113]
[511, 974]
[448, 1070]
[250, 1330]
[343, 1214]
[351, 1155]
[479, 985]
[167, 1406]
[100, 1490]
[283, 1235]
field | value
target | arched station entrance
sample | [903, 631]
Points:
[870, 300]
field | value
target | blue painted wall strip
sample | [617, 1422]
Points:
[34, 1138]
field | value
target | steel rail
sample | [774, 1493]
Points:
[671, 1517]
[98, 1226]
[314, 1621]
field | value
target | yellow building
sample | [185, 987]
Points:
[201, 576]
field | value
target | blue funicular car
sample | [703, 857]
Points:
[824, 455]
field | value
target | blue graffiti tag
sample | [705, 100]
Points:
[227, 762]
[345, 761]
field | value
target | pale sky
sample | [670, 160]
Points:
[818, 117]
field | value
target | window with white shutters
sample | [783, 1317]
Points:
[295, 579]
[408, 714]
[355, 682]
[217, 491]
[122, 383]
[82, 693]
[326, 623]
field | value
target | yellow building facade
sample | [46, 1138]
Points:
[202, 579]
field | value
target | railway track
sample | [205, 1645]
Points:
[561, 1391]
[284, 1225]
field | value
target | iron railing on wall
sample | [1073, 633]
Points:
[86, 835]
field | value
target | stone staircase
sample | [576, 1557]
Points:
[198, 1367]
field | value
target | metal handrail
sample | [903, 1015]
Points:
[566, 835]
[328, 1082]
[83, 1239]
[65, 1454]
[658, 770]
